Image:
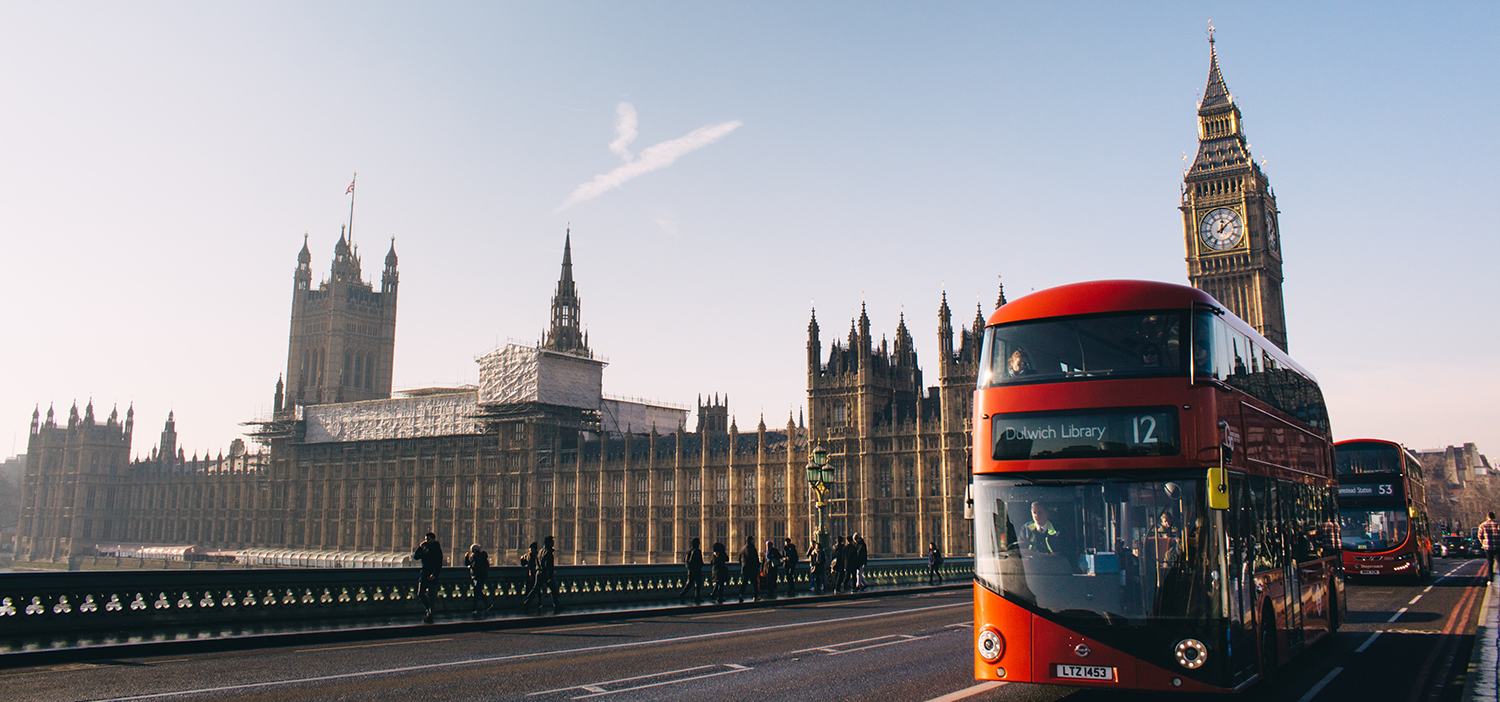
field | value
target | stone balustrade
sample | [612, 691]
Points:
[98, 601]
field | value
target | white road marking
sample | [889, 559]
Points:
[968, 692]
[1414, 600]
[831, 648]
[1427, 589]
[1367, 642]
[965, 625]
[597, 687]
[1321, 684]
[535, 654]
[373, 645]
[732, 669]
[1396, 616]
[888, 643]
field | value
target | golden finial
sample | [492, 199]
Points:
[1210, 32]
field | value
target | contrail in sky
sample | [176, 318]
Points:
[654, 158]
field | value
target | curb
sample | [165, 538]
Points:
[243, 643]
[1484, 663]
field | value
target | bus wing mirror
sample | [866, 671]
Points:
[969, 502]
[1218, 488]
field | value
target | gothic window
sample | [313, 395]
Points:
[565, 536]
[840, 415]
[748, 489]
[642, 491]
[348, 358]
[910, 475]
[885, 484]
[546, 490]
[668, 489]
[641, 536]
[664, 537]
[490, 488]
[911, 536]
[426, 496]
[89, 500]
[617, 491]
[469, 489]
[593, 488]
[778, 487]
[885, 535]
[616, 537]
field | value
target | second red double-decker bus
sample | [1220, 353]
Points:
[1382, 509]
[1154, 494]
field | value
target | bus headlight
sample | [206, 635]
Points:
[990, 645]
[1191, 654]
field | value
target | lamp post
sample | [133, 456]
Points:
[819, 476]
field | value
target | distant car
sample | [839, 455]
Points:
[1454, 547]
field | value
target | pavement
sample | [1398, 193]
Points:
[1484, 665]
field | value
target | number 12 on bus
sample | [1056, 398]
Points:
[1153, 495]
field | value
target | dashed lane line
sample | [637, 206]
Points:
[533, 654]
[1321, 684]
[1367, 642]
[1414, 600]
[1396, 616]
[599, 686]
[968, 692]
[732, 670]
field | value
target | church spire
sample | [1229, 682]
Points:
[566, 333]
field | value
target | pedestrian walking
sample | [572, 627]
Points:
[934, 564]
[750, 570]
[530, 560]
[430, 554]
[861, 556]
[545, 580]
[817, 567]
[1489, 538]
[694, 563]
[789, 563]
[478, 563]
[840, 561]
[720, 568]
[770, 568]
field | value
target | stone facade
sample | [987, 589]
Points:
[615, 481]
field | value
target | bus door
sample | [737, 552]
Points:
[1282, 495]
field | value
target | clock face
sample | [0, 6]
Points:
[1222, 229]
[1272, 239]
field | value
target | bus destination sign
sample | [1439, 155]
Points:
[1150, 431]
[1369, 490]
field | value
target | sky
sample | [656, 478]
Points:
[724, 168]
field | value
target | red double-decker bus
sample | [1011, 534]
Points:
[1154, 495]
[1382, 509]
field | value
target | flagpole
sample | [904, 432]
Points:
[351, 209]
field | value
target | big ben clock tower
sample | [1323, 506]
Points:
[1229, 216]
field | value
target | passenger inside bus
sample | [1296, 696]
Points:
[1150, 356]
[1019, 364]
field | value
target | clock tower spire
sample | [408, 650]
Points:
[1229, 215]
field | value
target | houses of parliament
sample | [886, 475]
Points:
[346, 466]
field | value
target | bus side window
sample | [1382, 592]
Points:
[1264, 524]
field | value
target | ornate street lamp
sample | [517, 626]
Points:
[819, 477]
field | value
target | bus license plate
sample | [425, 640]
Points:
[1086, 672]
[1369, 572]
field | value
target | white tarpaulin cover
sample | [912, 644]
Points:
[622, 416]
[400, 418]
[515, 374]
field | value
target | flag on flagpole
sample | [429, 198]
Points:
[351, 186]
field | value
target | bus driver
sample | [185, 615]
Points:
[1041, 536]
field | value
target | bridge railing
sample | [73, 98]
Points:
[53, 602]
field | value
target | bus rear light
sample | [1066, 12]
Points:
[1191, 654]
[991, 646]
